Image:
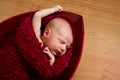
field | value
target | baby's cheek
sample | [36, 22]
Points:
[56, 46]
[53, 45]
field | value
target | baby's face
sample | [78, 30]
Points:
[58, 38]
[59, 41]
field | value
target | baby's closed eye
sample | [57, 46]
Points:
[62, 42]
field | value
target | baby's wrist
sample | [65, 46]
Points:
[52, 60]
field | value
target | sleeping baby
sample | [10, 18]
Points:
[57, 36]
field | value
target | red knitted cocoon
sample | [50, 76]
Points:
[22, 58]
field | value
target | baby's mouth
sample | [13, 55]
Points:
[58, 53]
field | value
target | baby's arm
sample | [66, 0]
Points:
[36, 22]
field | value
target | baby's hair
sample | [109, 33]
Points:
[52, 23]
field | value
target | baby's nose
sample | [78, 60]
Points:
[63, 50]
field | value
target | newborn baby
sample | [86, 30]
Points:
[57, 35]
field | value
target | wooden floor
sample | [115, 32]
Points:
[101, 54]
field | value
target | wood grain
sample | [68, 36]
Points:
[101, 54]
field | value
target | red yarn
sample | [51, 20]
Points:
[22, 58]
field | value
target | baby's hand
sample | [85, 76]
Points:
[58, 8]
[51, 56]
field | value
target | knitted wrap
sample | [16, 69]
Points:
[22, 58]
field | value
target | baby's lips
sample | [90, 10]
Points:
[58, 53]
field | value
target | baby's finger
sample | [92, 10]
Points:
[59, 7]
[51, 62]
[45, 52]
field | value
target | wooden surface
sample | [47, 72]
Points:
[101, 54]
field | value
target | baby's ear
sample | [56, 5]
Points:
[47, 32]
